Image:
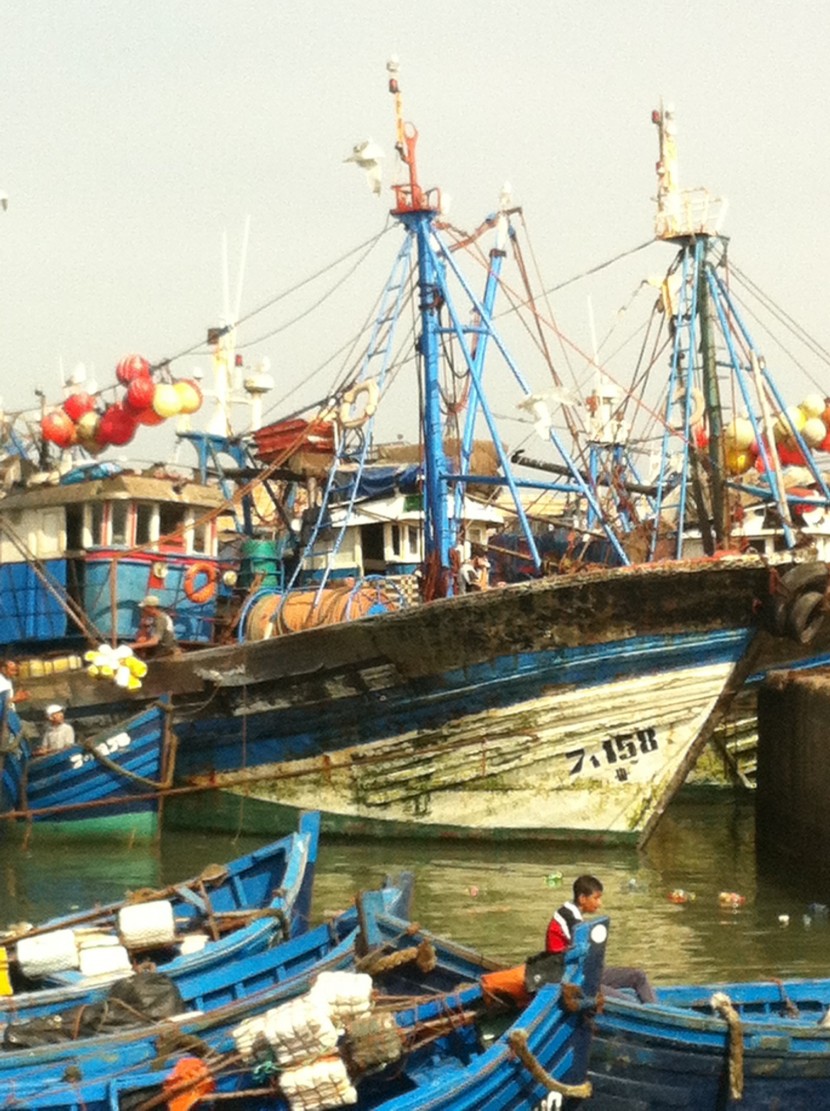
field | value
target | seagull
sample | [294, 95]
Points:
[367, 156]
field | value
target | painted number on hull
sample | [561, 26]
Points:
[106, 748]
[625, 748]
[551, 1102]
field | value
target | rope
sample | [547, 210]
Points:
[517, 1040]
[424, 956]
[111, 765]
[721, 1003]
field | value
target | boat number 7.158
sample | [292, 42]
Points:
[615, 752]
[106, 748]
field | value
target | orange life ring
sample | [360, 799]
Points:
[204, 593]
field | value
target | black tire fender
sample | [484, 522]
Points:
[805, 616]
[805, 576]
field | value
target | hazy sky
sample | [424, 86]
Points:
[133, 134]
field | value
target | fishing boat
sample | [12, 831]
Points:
[570, 704]
[748, 1045]
[107, 786]
[187, 930]
[409, 1048]
[208, 1006]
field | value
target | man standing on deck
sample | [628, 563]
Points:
[156, 638]
[9, 670]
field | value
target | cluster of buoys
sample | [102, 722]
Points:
[145, 402]
[810, 419]
[119, 664]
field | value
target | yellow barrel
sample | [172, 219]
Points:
[35, 669]
[60, 664]
[5, 978]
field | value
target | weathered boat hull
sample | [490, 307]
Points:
[109, 786]
[450, 1071]
[572, 705]
[269, 891]
[678, 1053]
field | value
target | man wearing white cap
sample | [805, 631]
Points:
[155, 637]
[58, 733]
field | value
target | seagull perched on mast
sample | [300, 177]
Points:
[367, 156]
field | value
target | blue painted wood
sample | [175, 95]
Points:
[675, 1053]
[74, 786]
[455, 1072]
[235, 989]
[268, 891]
[308, 719]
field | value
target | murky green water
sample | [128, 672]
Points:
[498, 898]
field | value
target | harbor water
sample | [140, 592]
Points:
[498, 897]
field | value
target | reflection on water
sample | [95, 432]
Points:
[498, 897]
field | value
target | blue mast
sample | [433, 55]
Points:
[416, 210]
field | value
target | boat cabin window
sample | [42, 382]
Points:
[120, 523]
[144, 515]
[201, 538]
[171, 526]
[74, 528]
[96, 525]
[395, 542]
[371, 541]
[414, 545]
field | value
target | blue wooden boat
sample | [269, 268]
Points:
[232, 911]
[457, 1055]
[213, 1002]
[107, 786]
[762, 1045]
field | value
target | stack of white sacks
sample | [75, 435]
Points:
[302, 1035]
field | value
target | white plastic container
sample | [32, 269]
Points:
[105, 960]
[143, 925]
[56, 951]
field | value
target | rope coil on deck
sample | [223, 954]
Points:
[424, 955]
[517, 1040]
[721, 1003]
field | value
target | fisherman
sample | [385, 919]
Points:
[587, 899]
[156, 638]
[9, 670]
[58, 734]
[468, 577]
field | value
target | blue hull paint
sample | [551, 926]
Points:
[73, 786]
[297, 732]
[452, 1073]
[677, 1053]
[278, 876]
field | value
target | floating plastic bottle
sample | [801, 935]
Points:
[554, 879]
[731, 899]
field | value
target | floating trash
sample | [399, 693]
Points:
[817, 910]
[731, 899]
[783, 919]
[632, 883]
[554, 879]
[680, 896]
[472, 890]
[807, 920]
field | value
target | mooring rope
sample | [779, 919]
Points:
[517, 1040]
[721, 1003]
